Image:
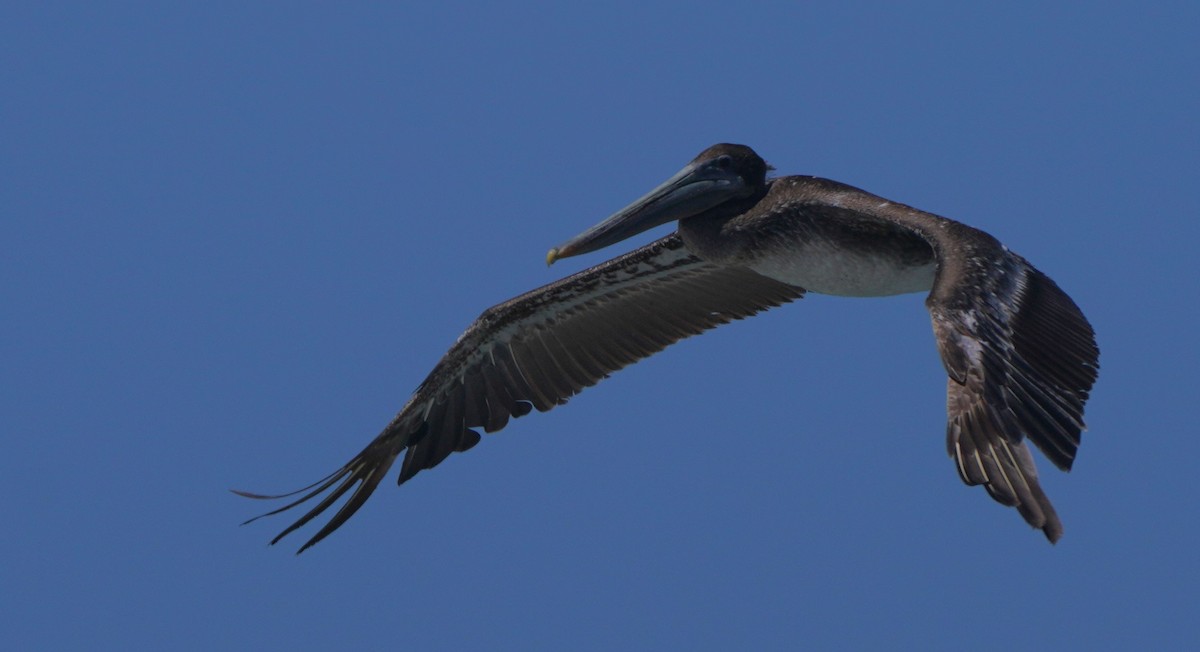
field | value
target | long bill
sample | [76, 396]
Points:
[693, 190]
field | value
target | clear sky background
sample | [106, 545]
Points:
[234, 237]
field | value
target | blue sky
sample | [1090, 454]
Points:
[235, 237]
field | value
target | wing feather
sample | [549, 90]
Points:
[538, 350]
[1022, 360]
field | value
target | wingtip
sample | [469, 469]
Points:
[1053, 531]
[250, 494]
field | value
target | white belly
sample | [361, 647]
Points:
[829, 270]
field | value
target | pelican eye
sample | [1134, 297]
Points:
[724, 161]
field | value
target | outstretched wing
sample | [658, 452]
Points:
[1021, 359]
[538, 350]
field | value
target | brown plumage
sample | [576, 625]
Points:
[1020, 356]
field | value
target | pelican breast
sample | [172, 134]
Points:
[824, 267]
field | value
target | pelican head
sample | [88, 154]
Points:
[720, 174]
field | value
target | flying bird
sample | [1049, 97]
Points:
[1019, 355]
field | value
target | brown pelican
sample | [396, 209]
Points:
[1020, 356]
